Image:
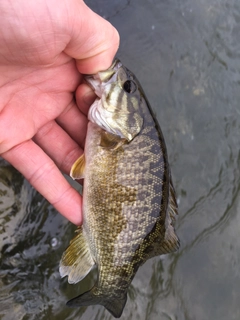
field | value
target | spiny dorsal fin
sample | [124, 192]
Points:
[171, 242]
[78, 168]
[173, 207]
[76, 261]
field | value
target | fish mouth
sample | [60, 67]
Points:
[106, 108]
[99, 80]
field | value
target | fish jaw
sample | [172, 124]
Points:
[115, 109]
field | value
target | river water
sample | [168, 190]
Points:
[186, 54]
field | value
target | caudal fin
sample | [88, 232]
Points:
[114, 305]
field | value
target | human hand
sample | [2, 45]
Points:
[46, 46]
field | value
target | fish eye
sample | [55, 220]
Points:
[129, 86]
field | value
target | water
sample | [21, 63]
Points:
[186, 55]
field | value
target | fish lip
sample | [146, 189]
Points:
[97, 83]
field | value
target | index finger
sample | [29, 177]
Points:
[94, 41]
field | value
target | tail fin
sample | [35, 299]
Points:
[114, 305]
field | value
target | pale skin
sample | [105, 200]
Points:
[46, 46]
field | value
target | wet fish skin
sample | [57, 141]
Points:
[129, 201]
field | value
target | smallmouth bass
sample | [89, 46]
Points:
[129, 203]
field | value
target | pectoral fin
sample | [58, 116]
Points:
[76, 261]
[111, 141]
[78, 168]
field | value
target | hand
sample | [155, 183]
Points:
[46, 46]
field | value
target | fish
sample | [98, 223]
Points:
[129, 202]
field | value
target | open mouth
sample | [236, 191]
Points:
[99, 80]
[95, 83]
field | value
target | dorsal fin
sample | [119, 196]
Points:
[168, 242]
[171, 242]
[173, 207]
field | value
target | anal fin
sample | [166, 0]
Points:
[76, 261]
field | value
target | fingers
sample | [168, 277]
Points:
[58, 145]
[63, 140]
[85, 96]
[74, 123]
[94, 41]
[30, 101]
[43, 174]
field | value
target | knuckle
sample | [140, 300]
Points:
[42, 172]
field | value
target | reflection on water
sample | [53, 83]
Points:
[187, 56]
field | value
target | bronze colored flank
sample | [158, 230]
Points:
[129, 201]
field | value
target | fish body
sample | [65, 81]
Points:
[128, 198]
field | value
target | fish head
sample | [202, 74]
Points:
[117, 106]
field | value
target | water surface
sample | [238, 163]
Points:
[186, 55]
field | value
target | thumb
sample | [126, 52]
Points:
[93, 40]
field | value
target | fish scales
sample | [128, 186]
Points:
[128, 198]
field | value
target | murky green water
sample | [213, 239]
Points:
[186, 54]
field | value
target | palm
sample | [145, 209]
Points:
[39, 104]
[46, 45]
[38, 96]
